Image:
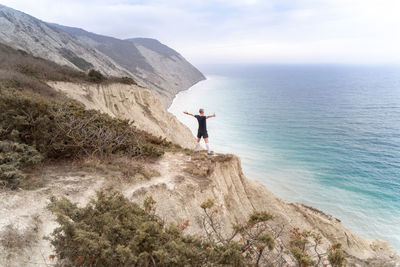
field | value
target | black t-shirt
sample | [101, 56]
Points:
[202, 123]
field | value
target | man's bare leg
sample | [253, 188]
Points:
[197, 149]
[208, 147]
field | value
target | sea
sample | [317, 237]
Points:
[327, 136]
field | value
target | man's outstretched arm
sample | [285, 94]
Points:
[211, 116]
[187, 113]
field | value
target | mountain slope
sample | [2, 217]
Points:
[165, 73]
[25, 32]
[150, 62]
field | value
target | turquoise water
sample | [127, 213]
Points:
[325, 136]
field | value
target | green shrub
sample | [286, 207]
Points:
[96, 76]
[111, 231]
[13, 157]
[62, 129]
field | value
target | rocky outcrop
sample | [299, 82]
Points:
[147, 61]
[130, 102]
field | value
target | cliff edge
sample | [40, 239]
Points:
[180, 184]
[188, 180]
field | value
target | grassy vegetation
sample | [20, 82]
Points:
[25, 72]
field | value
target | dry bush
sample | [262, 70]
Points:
[24, 63]
[14, 79]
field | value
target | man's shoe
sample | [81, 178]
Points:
[210, 153]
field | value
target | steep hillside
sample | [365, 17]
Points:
[180, 74]
[163, 72]
[131, 102]
[27, 33]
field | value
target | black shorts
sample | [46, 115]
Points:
[202, 134]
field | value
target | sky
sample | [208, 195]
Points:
[242, 31]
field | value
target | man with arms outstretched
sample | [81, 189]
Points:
[202, 132]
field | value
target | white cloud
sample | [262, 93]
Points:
[359, 31]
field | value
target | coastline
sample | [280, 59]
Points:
[249, 173]
[185, 90]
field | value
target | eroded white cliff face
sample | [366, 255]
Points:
[180, 194]
[130, 102]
